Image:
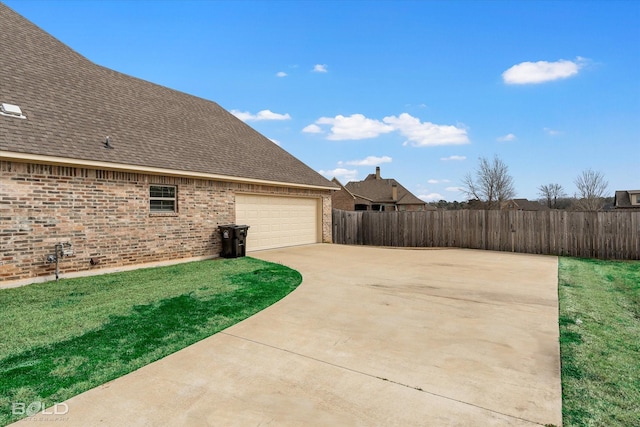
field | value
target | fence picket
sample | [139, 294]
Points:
[606, 235]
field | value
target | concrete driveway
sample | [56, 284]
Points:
[372, 337]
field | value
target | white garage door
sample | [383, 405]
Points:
[277, 221]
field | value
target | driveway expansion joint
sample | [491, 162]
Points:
[419, 389]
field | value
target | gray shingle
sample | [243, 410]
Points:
[72, 104]
[380, 191]
[528, 205]
[622, 199]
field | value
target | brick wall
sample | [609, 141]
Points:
[327, 218]
[342, 200]
[105, 216]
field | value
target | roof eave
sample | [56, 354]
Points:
[64, 161]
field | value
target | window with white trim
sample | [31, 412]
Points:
[162, 199]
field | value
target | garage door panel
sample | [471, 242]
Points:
[277, 221]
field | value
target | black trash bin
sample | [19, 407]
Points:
[241, 237]
[234, 240]
[227, 233]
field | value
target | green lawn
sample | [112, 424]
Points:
[60, 339]
[600, 342]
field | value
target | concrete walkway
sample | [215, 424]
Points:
[372, 337]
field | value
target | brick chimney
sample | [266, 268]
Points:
[377, 172]
[394, 192]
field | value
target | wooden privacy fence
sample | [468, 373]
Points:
[605, 235]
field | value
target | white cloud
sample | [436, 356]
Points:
[246, 116]
[423, 105]
[320, 68]
[312, 129]
[353, 127]
[275, 141]
[542, 71]
[269, 115]
[437, 181]
[552, 132]
[454, 189]
[431, 197]
[426, 134]
[418, 134]
[369, 161]
[507, 137]
[343, 175]
[281, 74]
[456, 158]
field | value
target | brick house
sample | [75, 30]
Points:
[128, 172]
[345, 200]
[377, 194]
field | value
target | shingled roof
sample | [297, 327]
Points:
[380, 190]
[524, 205]
[72, 104]
[622, 199]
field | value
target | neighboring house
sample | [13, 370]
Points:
[346, 200]
[377, 194]
[627, 199]
[129, 172]
[522, 205]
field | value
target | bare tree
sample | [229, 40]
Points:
[551, 193]
[491, 184]
[591, 190]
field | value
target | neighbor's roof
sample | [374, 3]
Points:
[380, 191]
[71, 105]
[528, 205]
[622, 198]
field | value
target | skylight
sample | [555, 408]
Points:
[11, 110]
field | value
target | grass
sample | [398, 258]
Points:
[60, 339]
[600, 342]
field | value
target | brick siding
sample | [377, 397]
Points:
[105, 216]
[342, 200]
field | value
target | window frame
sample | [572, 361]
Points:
[163, 198]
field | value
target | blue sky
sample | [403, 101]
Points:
[420, 88]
